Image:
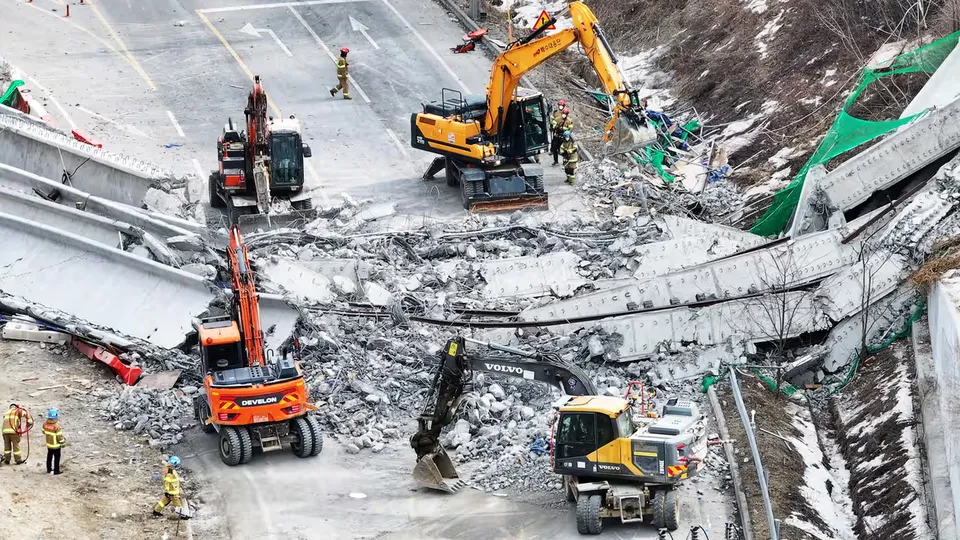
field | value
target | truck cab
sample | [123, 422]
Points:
[287, 152]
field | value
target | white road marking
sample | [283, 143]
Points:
[56, 103]
[176, 124]
[396, 141]
[278, 4]
[196, 165]
[316, 180]
[426, 44]
[129, 129]
[255, 32]
[358, 26]
[265, 513]
[329, 53]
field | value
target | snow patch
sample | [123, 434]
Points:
[765, 36]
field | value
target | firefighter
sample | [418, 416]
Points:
[55, 440]
[558, 112]
[570, 157]
[563, 124]
[13, 423]
[343, 68]
[171, 488]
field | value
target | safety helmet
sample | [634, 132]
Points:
[53, 414]
[344, 50]
[567, 134]
[174, 461]
[566, 111]
[561, 103]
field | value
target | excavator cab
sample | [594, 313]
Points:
[525, 129]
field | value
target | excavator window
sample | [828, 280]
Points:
[286, 157]
[524, 132]
[624, 424]
[221, 357]
[577, 435]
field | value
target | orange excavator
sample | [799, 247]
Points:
[251, 397]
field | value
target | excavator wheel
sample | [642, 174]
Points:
[202, 411]
[671, 511]
[246, 445]
[231, 448]
[588, 514]
[303, 445]
[317, 434]
[659, 508]
[212, 184]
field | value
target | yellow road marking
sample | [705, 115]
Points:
[105, 43]
[123, 48]
[243, 66]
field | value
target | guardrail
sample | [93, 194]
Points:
[772, 523]
[746, 531]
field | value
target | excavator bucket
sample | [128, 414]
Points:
[626, 132]
[250, 223]
[436, 471]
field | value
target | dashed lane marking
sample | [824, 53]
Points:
[176, 124]
[123, 47]
[426, 44]
[66, 115]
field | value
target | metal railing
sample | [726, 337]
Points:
[772, 523]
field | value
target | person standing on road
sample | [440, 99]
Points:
[570, 156]
[171, 488]
[557, 113]
[343, 71]
[563, 124]
[55, 440]
[14, 422]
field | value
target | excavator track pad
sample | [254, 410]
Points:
[436, 471]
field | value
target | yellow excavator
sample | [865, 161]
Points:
[489, 145]
[614, 464]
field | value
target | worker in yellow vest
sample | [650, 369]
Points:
[343, 72]
[171, 488]
[570, 156]
[53, 435]
[16, 421]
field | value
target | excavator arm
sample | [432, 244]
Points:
[434, 468]
[626, 130]
[245, 298]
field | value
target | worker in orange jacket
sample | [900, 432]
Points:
[53, 435]
[16, 421]
[343, 72]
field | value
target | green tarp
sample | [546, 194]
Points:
[848, 132]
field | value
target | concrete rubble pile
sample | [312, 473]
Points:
[159, 415]
[629, 191]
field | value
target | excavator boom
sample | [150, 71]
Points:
[245, 294]
[626, 131]
[434, 467]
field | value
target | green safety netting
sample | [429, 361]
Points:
[7, 97]
[848, 132]
[654, 155]
[785, 387]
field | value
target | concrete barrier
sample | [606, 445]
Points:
[47, 152]
[99, 284]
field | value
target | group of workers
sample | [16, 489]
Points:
[562, 143]
[17, 422]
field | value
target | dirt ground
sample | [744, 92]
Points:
[107, 488]
[784, 464]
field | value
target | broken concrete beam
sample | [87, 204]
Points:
[287, 277]
[27, 331]
[894, 158]
[660, 258]
[47, 152]
[679, 227]
[554, 273]
[98, 284]
[277, 318]
[352, 269]
[779, 266]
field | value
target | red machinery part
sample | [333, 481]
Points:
[86, 138]
[129, 374]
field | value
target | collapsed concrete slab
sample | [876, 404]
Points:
[92, 226]
[277, 318]
[532, 276]
[18, 179]
[99, 284]
[48, 153]
[882, 165]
